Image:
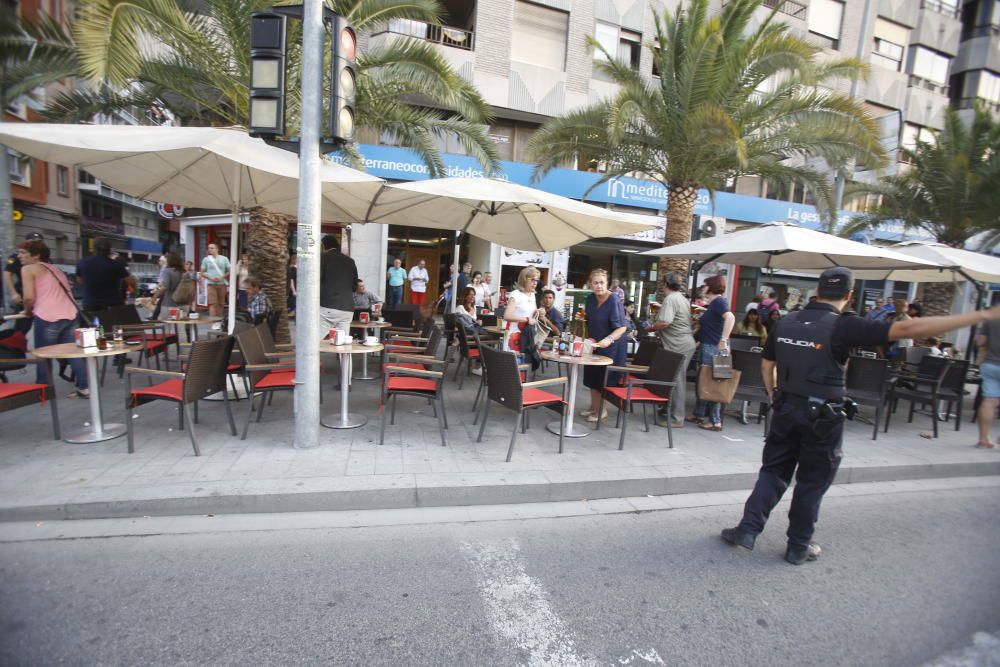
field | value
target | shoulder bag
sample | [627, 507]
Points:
[717, 390]
[185, 291]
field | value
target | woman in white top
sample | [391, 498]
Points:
[482, 293]
[521, 306]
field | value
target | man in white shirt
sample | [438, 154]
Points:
[488, 294]
[418, 277]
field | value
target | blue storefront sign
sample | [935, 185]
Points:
[403, 165]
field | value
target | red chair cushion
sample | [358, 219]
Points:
[473, 353]
[538, 397]
[8, 389]
[276, 379]
[639, 395]
[412, 384]
[170, 389]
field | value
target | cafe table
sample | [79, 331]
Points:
[377, 328]
[574, 364]
[189, 323]
[98, 430]
[345, 419]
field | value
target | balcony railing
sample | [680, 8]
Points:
[933, 86]
[946, 7]
[973, 102]
[794, 8]
[439, 34]
[988, 30]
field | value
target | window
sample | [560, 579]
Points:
[913, 134]
[989, 87]
[607, 36]
[890, 41]
[930, 65]
[825, 18]
[62, 180]
[539, 36]
[19, 168]
[630, 48]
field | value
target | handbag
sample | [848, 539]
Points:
[185, 291]
[716, 390]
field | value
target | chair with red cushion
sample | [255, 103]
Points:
[652, 388]
[504, 386]
[422, 382]
[205, 375]
[15, 395]
[467, 352]
[263, 376]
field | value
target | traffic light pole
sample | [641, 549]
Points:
[307, 248]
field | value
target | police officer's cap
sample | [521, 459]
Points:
[835, 283]
[33, 236]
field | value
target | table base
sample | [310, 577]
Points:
[571, 432]
[350, 420]
[86, 436]
[365, 373]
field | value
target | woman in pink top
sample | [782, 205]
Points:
[47, 299]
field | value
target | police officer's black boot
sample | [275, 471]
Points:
[797, 555]
[739, 538]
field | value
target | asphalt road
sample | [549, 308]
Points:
[904, 579]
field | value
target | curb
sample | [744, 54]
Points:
[433, 490]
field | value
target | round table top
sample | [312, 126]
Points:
[74, 351]
[352, 348]
[201, 319]
[371, 325]
[585, 360]
[15, 316]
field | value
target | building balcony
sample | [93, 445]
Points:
[445, 35]
[794, 8]
[946, 7]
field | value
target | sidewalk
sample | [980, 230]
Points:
[41, 479]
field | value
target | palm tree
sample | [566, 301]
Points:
[950, 190]
[730, 100]
[192, 58]
[32, 55]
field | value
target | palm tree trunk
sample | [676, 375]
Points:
[680, 212]
[938, 298]
[267, 245]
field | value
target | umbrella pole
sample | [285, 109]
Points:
[454, 274]
[234, 231]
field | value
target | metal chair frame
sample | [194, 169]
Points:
[434, 396]
[927, 389]
[867, 382]
[658, 380]
[33, 395]
[255, 368]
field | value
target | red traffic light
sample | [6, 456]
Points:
[348, 44]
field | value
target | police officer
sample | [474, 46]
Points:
[803, 364]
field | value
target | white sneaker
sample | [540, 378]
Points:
[477, 371]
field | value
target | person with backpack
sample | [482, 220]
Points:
[47, 298]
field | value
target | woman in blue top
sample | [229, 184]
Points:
[716, 324]
[606, 325]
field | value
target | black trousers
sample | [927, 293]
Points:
[793, 447]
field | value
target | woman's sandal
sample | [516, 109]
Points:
[593, 417]
[985, 445]
[79, 393]
[710, 427]
[695, 420]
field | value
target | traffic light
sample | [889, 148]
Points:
[267, 74]
[344, 81]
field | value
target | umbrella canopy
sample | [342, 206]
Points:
[203, 167]
[514, 216]
[784, 246]
[963, 265]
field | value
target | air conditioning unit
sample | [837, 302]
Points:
[709, 227]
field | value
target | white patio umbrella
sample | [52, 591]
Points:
[511, 215]
[785, 246]
[204, 167]
[963, 265]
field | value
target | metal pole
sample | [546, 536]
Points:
[454, 275]
[307, 250]
[234, 248]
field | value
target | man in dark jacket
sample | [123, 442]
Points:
[337, 276]
[102, 278]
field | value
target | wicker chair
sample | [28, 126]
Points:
[922, 387]
[409, 356]
[506, 388]
[152, 338]
[261, 375]
[953, 389]
[15, 395]
[743, 342]
[467, 353]
[751, 388]
[399, 380]
[867, 384]
[654, 387]
[205, 375]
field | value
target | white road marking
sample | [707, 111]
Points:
[650, 657]
[518, 606]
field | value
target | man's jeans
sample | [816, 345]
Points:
[395, 296]
[703, 409]
[53, 333]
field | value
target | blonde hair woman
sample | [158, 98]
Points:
[521, 306]
[607, 325]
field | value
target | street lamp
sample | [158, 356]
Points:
[267, 74]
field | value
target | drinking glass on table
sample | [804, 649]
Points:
[119, 336]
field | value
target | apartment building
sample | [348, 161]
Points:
[531, 61]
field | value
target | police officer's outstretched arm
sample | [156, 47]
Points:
[922, 327]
